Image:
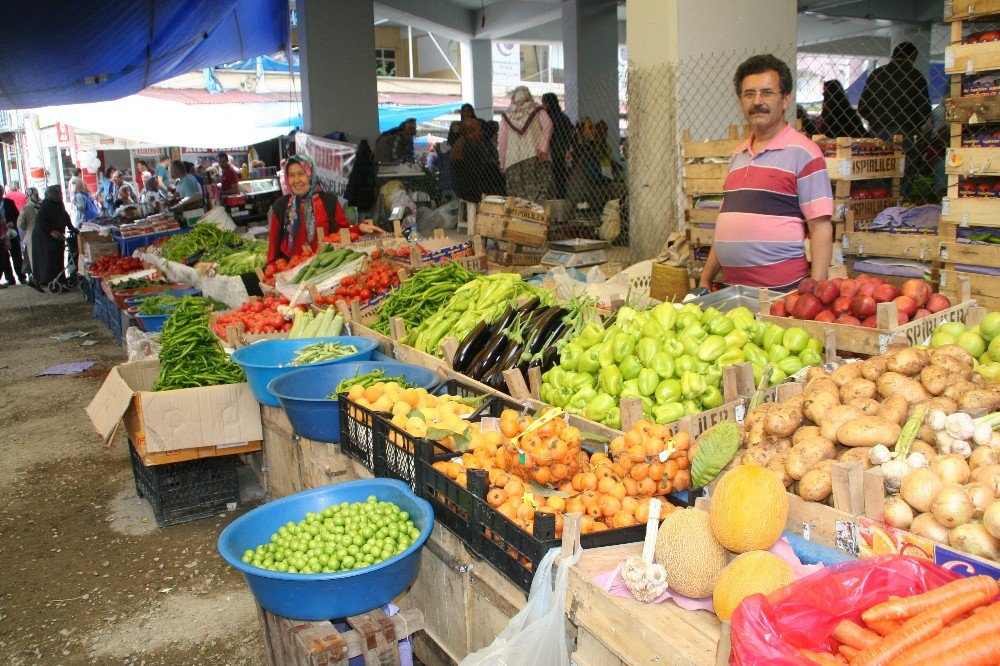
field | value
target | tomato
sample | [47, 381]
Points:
[365, 294]
[384, 283]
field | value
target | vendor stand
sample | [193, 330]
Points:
[253, 201]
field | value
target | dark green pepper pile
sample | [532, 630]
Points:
[422, 295]
[190, 355]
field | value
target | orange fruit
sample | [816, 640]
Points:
[640, 471]
[633, 438]
[618, 491]
[589, 497]
[647, 487]
[556, 503]
[631, 486]
[681, 441]
[605, 485]
[589, 481]
[507, 510]
[560, 472]
[604, 472]
[655, 471]
[653, 446]
[496, 497]
[570, 435]
[454, 469]
[642, 513]
[599, 526]
[575, 505]
[543, 475]
[577, 482]
[586, 525]
[683, 480]
[609, 505]
[594, 511]
[566, 488]
[462, 480]
[514, 488]
[600, 459]
[623, 519]
[525, 511]
[617, 446]
[630, 504]
[670, 469]
[664, 486]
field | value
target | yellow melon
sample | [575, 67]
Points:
[690, 554]
[749, 509]
[750, 573]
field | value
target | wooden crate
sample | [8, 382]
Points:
[970, 58]
[970, 211]
[845, 166]
[973, 109]
[373, 636]
[953, 281]
[701, 235]
[862, 209]
[292, 463]
[972, 161]
[509, 220]
[920, 247]
[954, 252]
[700, 215]
[715, 148]
[967, 10]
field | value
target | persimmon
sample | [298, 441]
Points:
[586, 525]
[665, 486]
[577, 482]
[575, 505]
[507, 510]
[633, 438]
[495, 497]
[558, 449]
[681, 441]
[501, 459]
[631, 486]
[670, 469]
[570, 435]
[653, 446]
[514, 488]
[630, 504]
[589, 497]
[560, 471]
[637, 453]
[493, 438]
[647, 487]
[594, 511]
[605, 484]
[599, 526]
[656, 470]
[525, 511]
[454, 469]
[555, 502]
[543, 475]
[589, 481]
[683, 480]
[599, 459]
[604, 472]
[618, 491]
[462, 480]
[566, 488]
[642, 513]
[617, 446]
[683, 462]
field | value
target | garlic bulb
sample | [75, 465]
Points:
[982, 434]
[960, 425]
[936, 419]
[879, 454]
[944, 441]
[916, 460]
[961, 447]
[894, 472]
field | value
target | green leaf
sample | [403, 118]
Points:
[416, 414]
[546, 492]
[716, 448]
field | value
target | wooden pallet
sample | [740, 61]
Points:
[920, 247]
[969, 211]
[373, 635]
[972, 110]
[961, 161]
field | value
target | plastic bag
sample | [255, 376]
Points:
[532, 636]
[802, 615]
[219, 217]
[140, 345]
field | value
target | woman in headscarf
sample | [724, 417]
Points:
[26, 222]
[48, 237]
[838, 117]
[525, 130]
[296, 218]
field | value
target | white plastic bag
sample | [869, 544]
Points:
[141, 345]
[219, 217]
[532, 638]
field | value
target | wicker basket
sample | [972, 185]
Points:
[669, 283]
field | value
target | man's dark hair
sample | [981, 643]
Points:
[759, 64]
[164, 158]
[177, 164]
[110, 170]
[77, 172]
[142, 162]
[904, 50]
[189, 166]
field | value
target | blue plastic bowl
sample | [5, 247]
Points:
[136, 300]
[317, 597]
[266, 360]
[153, 323]
[303, 393]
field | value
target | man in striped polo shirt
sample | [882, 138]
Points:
[777, 188]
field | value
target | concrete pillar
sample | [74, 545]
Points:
[337, 60]
[590, 72]
[477, 75]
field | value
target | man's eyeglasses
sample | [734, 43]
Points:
[765, 94]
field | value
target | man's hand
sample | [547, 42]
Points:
[55, 235]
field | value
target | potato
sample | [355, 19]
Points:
[952, 351]
[977, 379]
[756, 434]
[953, 366]
[807, 454]
[858, 387]
[757, 414]
[816, 372]
[925, 433]
[805, 432]
[940, 403]
[874, 367]
[818, 404]
[894, 383]
[857, 454]
[920, 446]
[777, 465]
[846, 373]
[783, 420]
[821, 384]
[868, 405]
[908, 361]
[934, 378]
[894, 408]
[837, 417]
[869, 431]
[956, 390]
[816, 485]
[758, 455]
[979, 399]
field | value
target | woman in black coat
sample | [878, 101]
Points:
[48, 237]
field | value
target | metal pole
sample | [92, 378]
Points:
[409, 44]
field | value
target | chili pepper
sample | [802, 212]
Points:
[630, 367]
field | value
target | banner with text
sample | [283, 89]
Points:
[331, 159]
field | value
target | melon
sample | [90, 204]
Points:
[750, 573]
[749, 509]
[691, 555]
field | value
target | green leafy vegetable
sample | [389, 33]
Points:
[716, 447]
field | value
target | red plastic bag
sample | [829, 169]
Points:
[802, 615]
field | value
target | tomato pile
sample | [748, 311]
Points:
[283, 264]
[404, 252]
[257, 316]
[380, 277]
[115, 264]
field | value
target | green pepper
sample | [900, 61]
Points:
[772, 336]
[795, 339]
[758, 371]
[721, 325]
[742, 323]
[598, 408]
[692, 385]
[591, 334]
[582, 398]
[610, 333]
[611, 380]
[730, 357]
[561, 395]
[606, 351]
[693, 308]
[691, 344]
[647, 381]
[634, 331]
[581, 380]
[630, 389]
[682, 364]
[622, 346]
[685, 319]
[673, 347]
[741, 312]
[646, 348]
[669, 390]
[625, 314]
[755, 354]
[810, 357]
[694, 330]
[790, 365]
[712, 348]
[815, 345]
[777, 352]
[589, 361]
[756, 332]
[613, 418]
[665, 315]
[652, 329]
[710, 314]
[712, 375]
[711, 398]
[778, 376]
[630, 367]
[691, 407]
[662, 365]
[700, 367]
[554, 376]
[668, 413]
[737, 339]
[569, 357]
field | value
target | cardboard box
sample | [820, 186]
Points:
[95, 250]
[164, 421]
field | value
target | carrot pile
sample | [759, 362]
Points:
[957, 624]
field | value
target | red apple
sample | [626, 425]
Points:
[790, 301]
[922, 313]
[918, 290]
[849, 288]
[826, 292]
[877, 280]
[807, 307]
[827, 316]
[885, 293]
[869, 322]
[778, 309]
[937, 302]
[902, 317]
[848, 320]
[905, 304]
[863, 278]
[807, 286]
[868, 288]
[841, 305]
[862, 306]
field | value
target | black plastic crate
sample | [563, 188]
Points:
[357, 432]
[454, 506]
[87, 287]
[183, 491]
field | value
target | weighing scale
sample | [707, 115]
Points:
[576, 253]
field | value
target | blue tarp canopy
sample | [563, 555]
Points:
[57, 52]
[394, 116]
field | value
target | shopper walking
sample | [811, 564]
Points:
[163, 174]
[523, 144]
[15, 194]
[84, 208]
[777, 190]
[560, 144]
[48, 238]
[25, 224]
[8, 222]
[838, 117]
[105, 191]
[142, 173]
[71, 183]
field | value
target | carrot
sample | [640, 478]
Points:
[903, 609]
[978, 626]
[821, 658]
[884, 627]
[984, 651]
[955, 607]
[855, 635]
[887, 649]
[847, 651]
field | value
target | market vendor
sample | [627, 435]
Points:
[230, 180]
[777, 190]
[187, 187]
[295, 218]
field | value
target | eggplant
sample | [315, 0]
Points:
[543, 329]
[490, 354]
[470, 347]
[506, 318]
[511, 356]
[529, 305]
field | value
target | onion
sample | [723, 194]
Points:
[995, 439]
[982, 434]
[980, 496]
[951, 468]
[989, 476]
[927, 527]
[991, 519]
[897, 512]
[944, 441]
[983, 456]
[973, 538]
[920, 488]
[952, 506]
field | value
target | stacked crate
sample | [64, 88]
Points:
[706, 178]
[972, 200]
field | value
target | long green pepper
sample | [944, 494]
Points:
[190, 355]
[422, 295]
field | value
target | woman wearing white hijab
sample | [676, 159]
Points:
[523, 144]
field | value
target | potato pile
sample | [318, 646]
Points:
[841, 415]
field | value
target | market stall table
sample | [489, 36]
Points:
[128, 245]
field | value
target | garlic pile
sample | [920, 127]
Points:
[644, 579]
[956, 433]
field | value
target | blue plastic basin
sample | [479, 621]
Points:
[317, 597]
[153, 323]
[136, 300]
[268, 359]
[303, 393]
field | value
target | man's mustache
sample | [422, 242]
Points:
[760, 108]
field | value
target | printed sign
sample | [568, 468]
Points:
[506, 62]
[329, 158]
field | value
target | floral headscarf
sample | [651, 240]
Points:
[522, 110]
[292, 220]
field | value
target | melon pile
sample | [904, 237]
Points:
[747, 515]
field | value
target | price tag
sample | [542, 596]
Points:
[902, 164]
[965, 219]
[945, 206]
[944, 280]
[969, 69]
[943, 251]
[740, 413]
[845, 168]
[949, 58]
[665, 455]
[805, 531]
